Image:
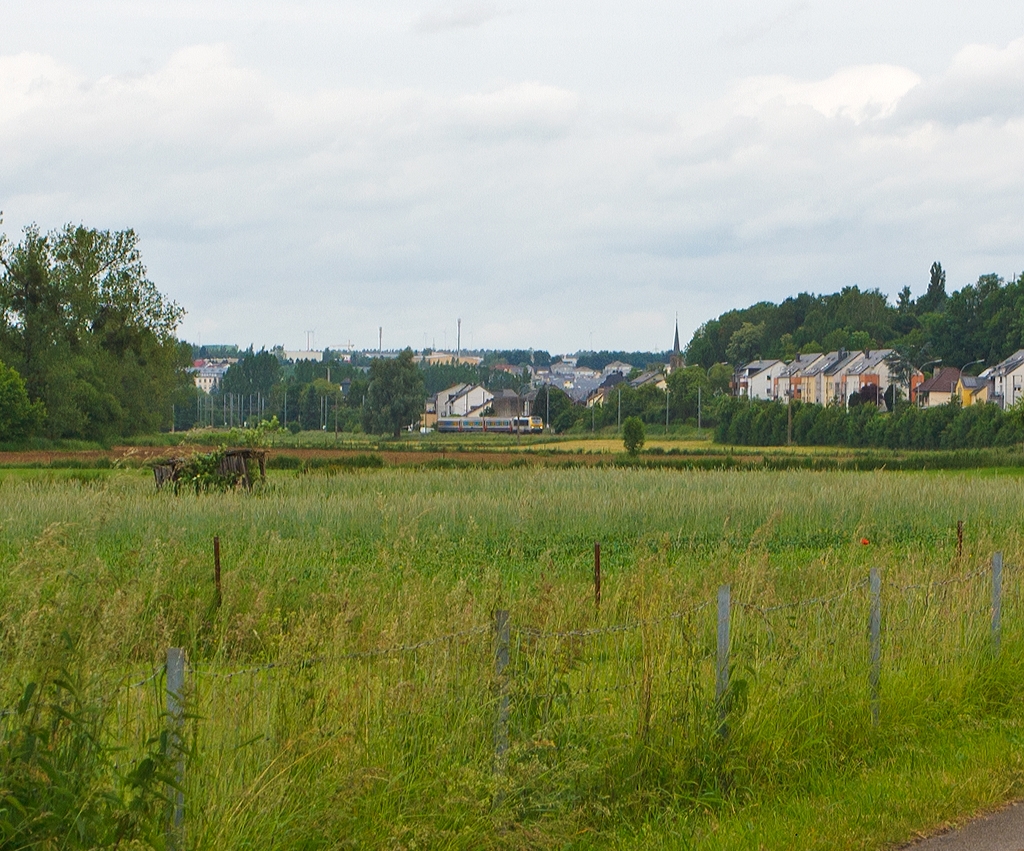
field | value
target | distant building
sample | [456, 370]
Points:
[459, 400]
[757, 379]
[295, 357]
[974, 390]
[617, 367]
[939, 389]
[676, 360]
[1007, 380]
[446, 358]
[507, 403]
[654, 378]
[207, 373]
[789, 384]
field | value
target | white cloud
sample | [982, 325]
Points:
[536, 211]
[859, 94]
[463, 17]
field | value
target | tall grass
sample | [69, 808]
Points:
[345, 692]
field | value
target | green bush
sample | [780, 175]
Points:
[633, 435]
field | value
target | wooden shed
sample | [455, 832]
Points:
[233, 468]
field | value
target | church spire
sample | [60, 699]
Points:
[676, 361]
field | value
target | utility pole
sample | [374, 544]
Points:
[666, 410]
[698, 410]
[458, 344]
[547, 419]
[618, 425]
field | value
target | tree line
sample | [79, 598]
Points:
[981, 321]
[744, 422]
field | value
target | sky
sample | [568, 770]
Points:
[558, 175]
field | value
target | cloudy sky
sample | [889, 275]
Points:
[561, 175]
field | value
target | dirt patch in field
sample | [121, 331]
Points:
[138, 455]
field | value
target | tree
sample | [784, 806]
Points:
[934, 300]
[394, 398]
[89, 332]
[633, 435]
[255, 372]
[19, 417]
[745, 343]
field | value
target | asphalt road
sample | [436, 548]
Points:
[1001, 831]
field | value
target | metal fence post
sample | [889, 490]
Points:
[501, 644]
[997, 601]
[176, 717]
[216, 569]
[722, 667]
[875, 637]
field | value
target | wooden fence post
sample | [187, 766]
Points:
[997, 601]
[722, 666]
[875, 638]
[597, 575]
[501, 645]
[176, 717]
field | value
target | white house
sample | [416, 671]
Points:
[1007, 379]
[757, 379]
[208, 374]
[461, 400]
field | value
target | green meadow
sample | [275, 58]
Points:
[344, 692]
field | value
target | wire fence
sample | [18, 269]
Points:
[496, 691]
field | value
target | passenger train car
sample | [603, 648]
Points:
[498, 425]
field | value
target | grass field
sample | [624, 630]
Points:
[345, 693]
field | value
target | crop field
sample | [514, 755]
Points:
[355, 683]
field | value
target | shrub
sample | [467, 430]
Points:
[633, 435]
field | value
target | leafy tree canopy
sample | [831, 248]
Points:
[90, 334]
[633, 435]
[394, 398]
[982, 320]
[19, 417]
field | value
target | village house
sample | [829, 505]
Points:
[657, 379]
[974, 390]
[1007, 380]
[758, 379]
[459, 400]
[939, 389]
[866, 368]
[789, 383]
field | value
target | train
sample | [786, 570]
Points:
[499, 425]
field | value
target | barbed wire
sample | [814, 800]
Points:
[940, 583]
[802, 604]
[538, 634]
[590, 632]
[376, 652]
[157, 673]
